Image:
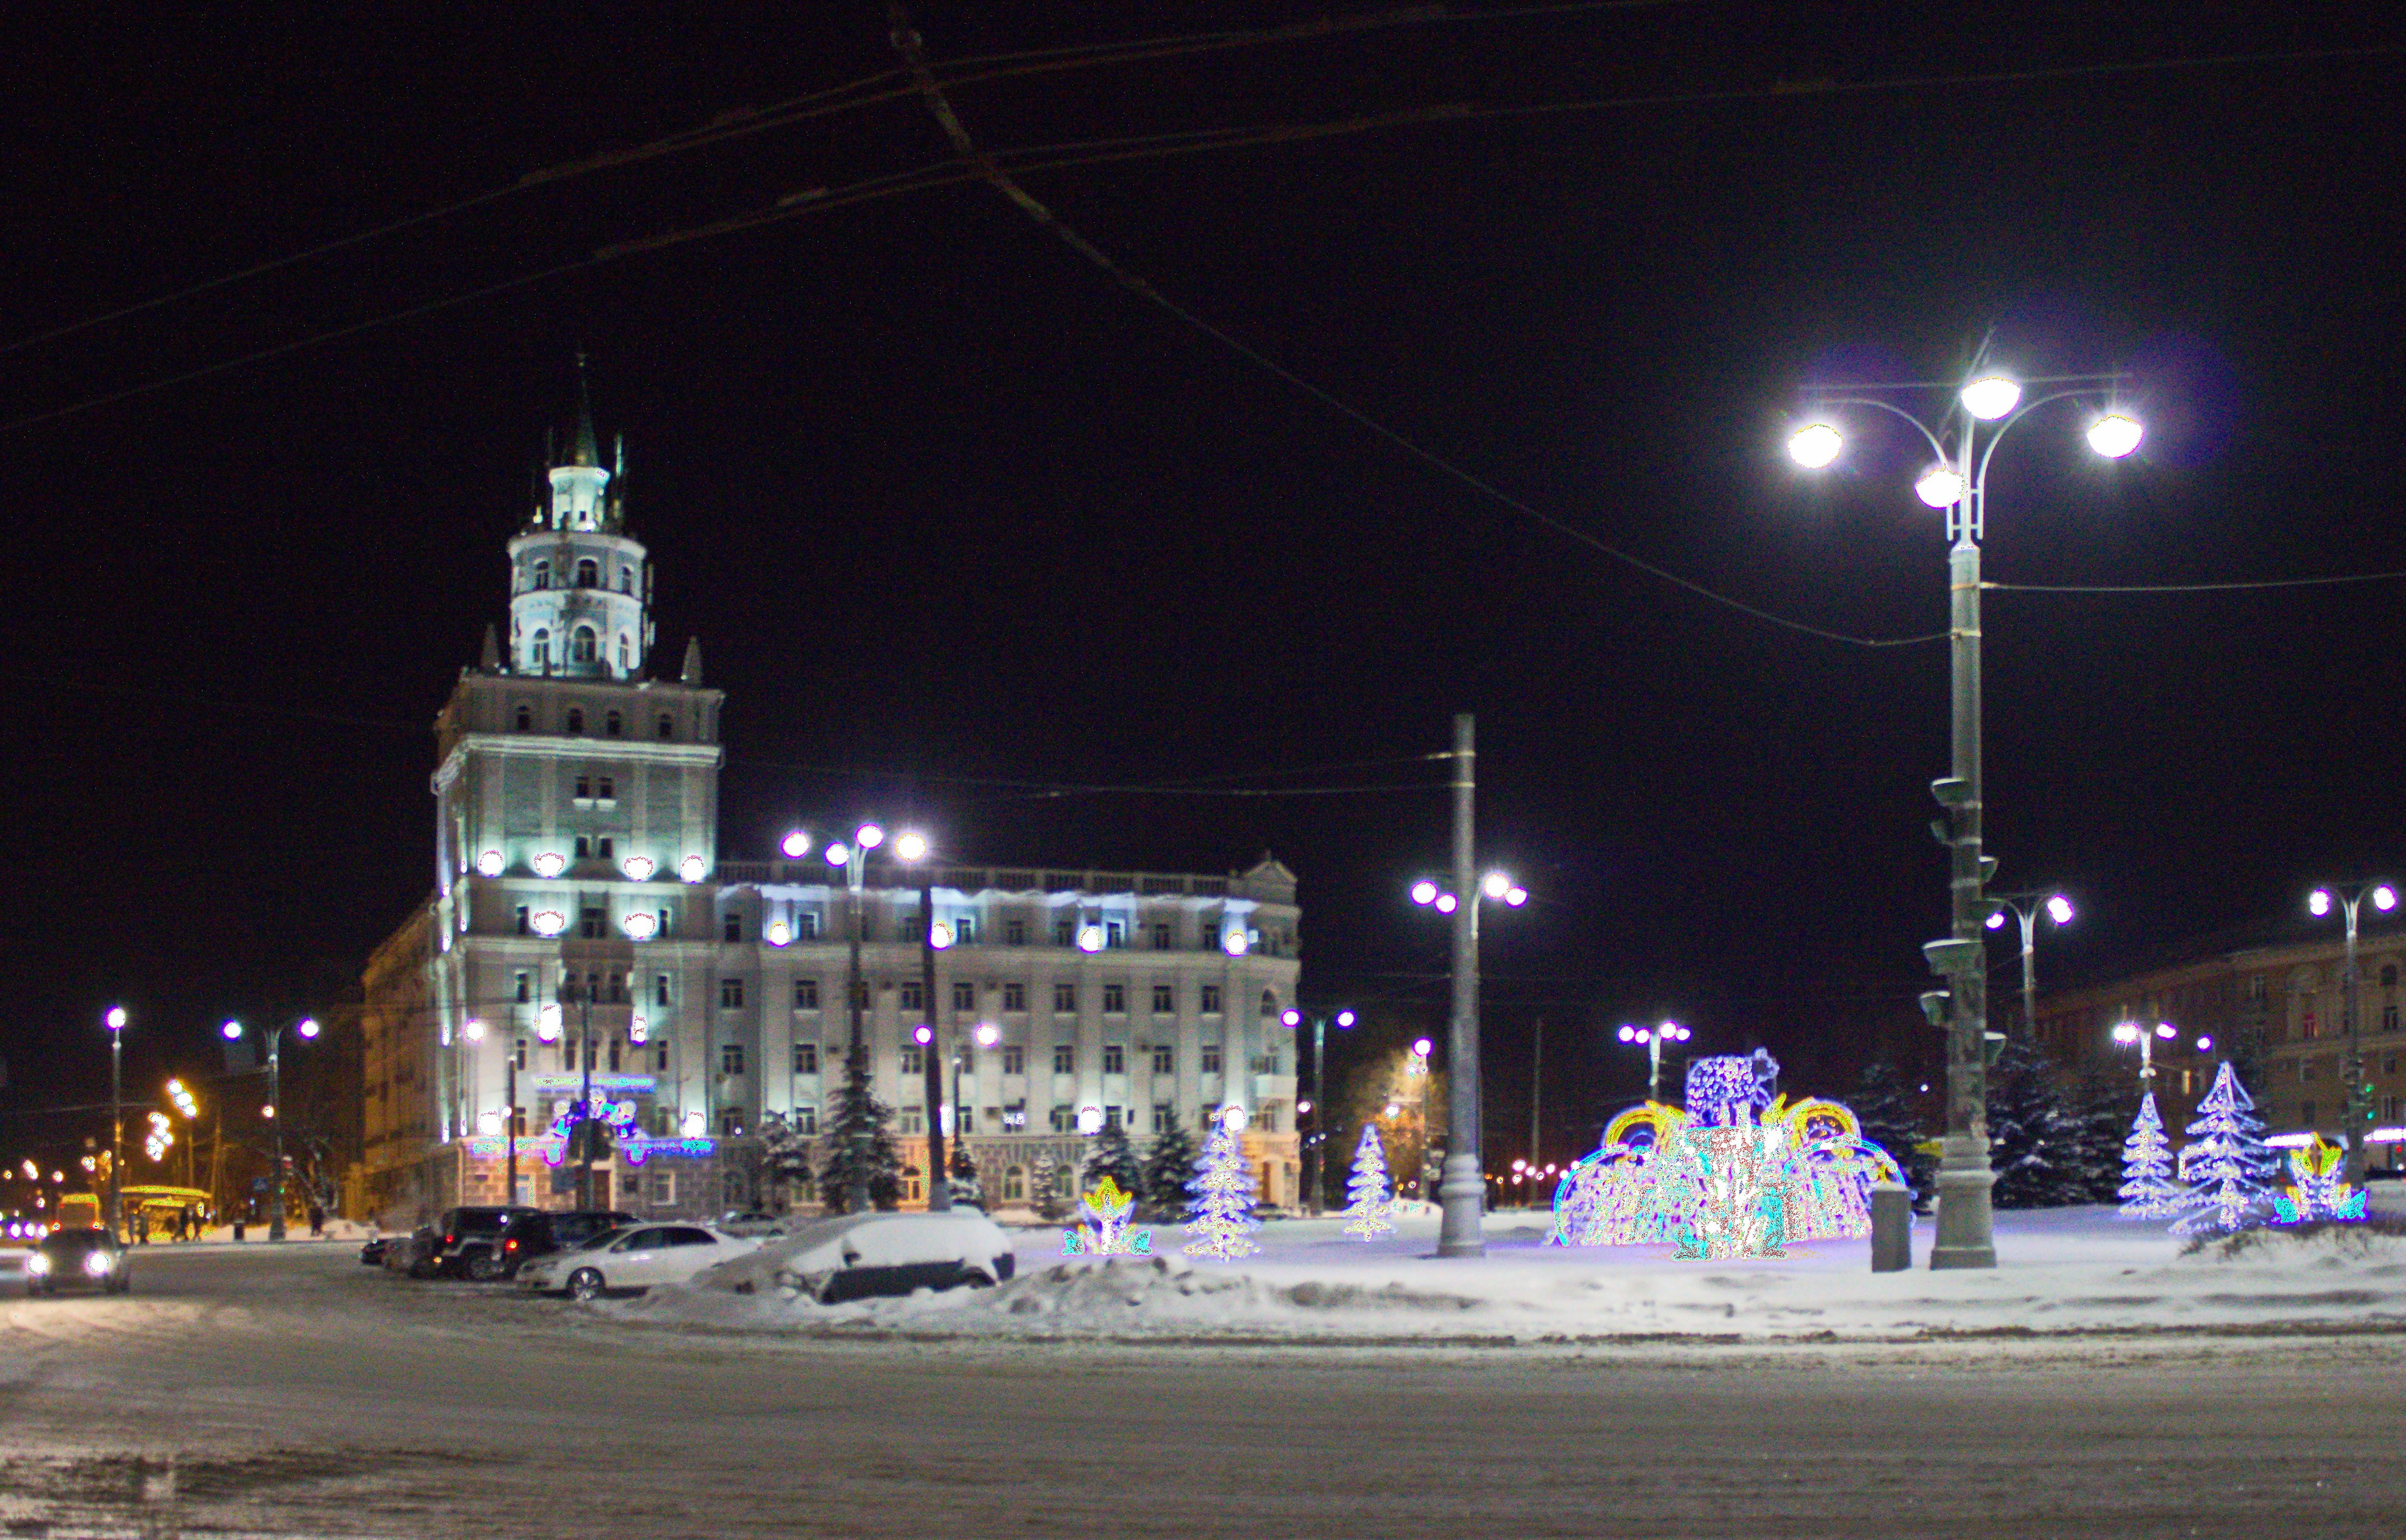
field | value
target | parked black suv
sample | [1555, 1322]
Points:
[540, 1233]
[462, 1243]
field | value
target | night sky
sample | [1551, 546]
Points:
[959, 516]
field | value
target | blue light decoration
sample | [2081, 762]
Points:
[1737, 1172]
[1102, 1229]
[2316, 1190]
[1369, 1200]
[2147, 1190]
[1222, 1187]
[2227, 1165]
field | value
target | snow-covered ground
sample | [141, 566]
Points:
[2059, 1270]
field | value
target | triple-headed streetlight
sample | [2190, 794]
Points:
[116, 1024]
[1463, 1188]
[307, 1028]
[2027, 908]
[1318, 1106]
[2356, 1108]
[1653, 1037]
[1978, 413]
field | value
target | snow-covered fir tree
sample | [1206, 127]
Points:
[1885, 1112]
[1222, 1219]
[968, 1189]
[785, 1155]
[1110, 1154]
[1044, 1188]
[1169, 1166]
[859, 1141]
[2147, 1188]
[2033, 1140]
[2227, 1166]
[1368, 1197]
[2105, 1106]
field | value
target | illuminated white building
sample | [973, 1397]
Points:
[577, 881]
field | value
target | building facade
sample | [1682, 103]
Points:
[2279, 1010]
[584, 937]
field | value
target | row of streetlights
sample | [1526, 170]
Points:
[115, 1020]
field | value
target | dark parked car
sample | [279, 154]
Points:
[77, 1259]
[539, 1235]
[372, 1254]
[458, 1244]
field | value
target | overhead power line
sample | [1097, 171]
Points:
[2194, 588]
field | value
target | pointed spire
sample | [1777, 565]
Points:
[693, 674]
[492, 649]
[582, 450]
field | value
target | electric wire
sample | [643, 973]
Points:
[2194, 588]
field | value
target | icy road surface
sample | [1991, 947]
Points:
[245, 1392]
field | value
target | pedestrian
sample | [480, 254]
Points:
[142, 1227]
[317, 1220]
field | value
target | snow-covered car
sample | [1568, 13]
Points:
[862, 1254]
[632, 1257]
[77, 1259]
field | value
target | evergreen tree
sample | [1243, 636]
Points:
[1045, 1190]
[785, 1155]
[861, 1137]
[2227, 1167]
[1222, 1192]
[968, 1189]
[2147, 1190]
[1110, 1156]
[1888, 1120]
[2033, 1140]
[1367, 1198]
[2104, 1111]
[1168, 1164]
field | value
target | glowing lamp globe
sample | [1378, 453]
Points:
[1232, 1118]
[1496, 884]
[309, 1027]
[1939, 487]
[2058, 909]
[2205, 1045]
[640, 927]
[1291, 1018]
[1997, 921]
[1423, 1048]
[922, 1036]
[2384, 898]
[1424, 893]
[1991, 397]
[549, 921]
[549, 863]
[939, 936]
[1628, 1034]
[911, 846]
[1516, 897]
[694, 1125]
[116, 1018]
[639, 869]
[1345, 1018]
[1234, 943]
[1090, 1120]
[988, 1035]
[1090, 937]
[1446, 903]
[692, 867]
[473, 1031]
[232, 1030]
[2164, 1030]
[490, 863]
[2318, 903]
[1815, 444]
[639, 1030]
[838, 854]
[546, 1022]
[777, 934]
[796, 845]
[1303, 1105]
[869, 836]
[2113, 435]
[488, 1123]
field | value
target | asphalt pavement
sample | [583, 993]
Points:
[291, 1391]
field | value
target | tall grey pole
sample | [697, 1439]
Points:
[1966, 1229]
[2030, 975]
[940, 1188]
[1536, 1086]
[116, 1128]
[585, 1128]
[1463, 1188]
[275, 1100]
[856, 1188]
[2351, 1105]
[510, 1116]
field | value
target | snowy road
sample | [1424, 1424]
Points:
[298, 1393]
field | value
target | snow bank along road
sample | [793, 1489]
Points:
[295, 1393]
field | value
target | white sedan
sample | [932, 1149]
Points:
[861, 1255]
[632, 1257]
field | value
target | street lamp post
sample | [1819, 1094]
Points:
[934, 937]
[854, 859]
[2126, 1033]
[1956, 482]
[1319, 1107]
[115, 1020]
[2352, 1110]
[307, 1027]
[2026, 906]
[1654, 1037]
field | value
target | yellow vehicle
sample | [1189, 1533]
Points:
[160, 1205]
[78, 1211]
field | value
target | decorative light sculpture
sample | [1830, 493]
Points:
[640, 925]
[1102, 1227]
[2147, 1190]
[639, 869]
[2316, 1189]
[549, 863]
[1223, 1218]
[548, 922]
[1368, 1198]
[2226, 1164]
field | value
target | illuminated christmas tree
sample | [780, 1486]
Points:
[2227, 1166]
[2148, 1191]
[1222, 1217]
[1367, 1204]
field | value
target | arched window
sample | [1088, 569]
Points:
[668, 726]
[525, 719]
[610, 726]
[575, 720]
[542, 574]
[1014, 1184]
[1270, 1003]
[539, 651]
[626, 652]
[626, 580]
[588, 573]
[585, 645]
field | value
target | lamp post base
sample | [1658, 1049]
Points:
[939, 1196]
[1966, 1223]
[1462, 1193]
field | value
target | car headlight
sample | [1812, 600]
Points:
[97, 1263]
[38, 1264]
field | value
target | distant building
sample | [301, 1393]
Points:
[583, 923]
[2282, 1005]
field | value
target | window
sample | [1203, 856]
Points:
[1270, 1117]
[613, 723]
[1014, 933]
[1165, 1059]
[730, 1124]
[731, 1058]
[911, 1121]
[1064, 932]
[914, 995]
[730, 994]
[914, 1061]
[1211, 1058]
[1065, 1119]
[661, 928]
[568, 1054]
[964, 1120]
[1211, 998]
[1065, 997]
[1115, 998]
[964, 930]
[1208, 938]
[668, 726]
[806, 1058]
[626, 657]
[1270, 1003]
[575, 719]
[1014, 997]
[524, 720]
[518, 1121]
[806, 1120]
[660, 1064]
[626, 580]
[1114, 934]
[808, 923]
[526, 988]
[1165, 1000]
[661, 989]
[2389, 975]
[539, 650]
[1014, 1114]
[588, 573]
[733, 925]
[663, 1187]
[543, 575]
[1014, 1184]
[1065, 1058]
[522, 1064]
[1014, 1061]
[613, 1056]
[1162, 1115]
[584, 790]
[522, 920]
[908, 927]
[1112, 1117]
[1165, 938]
[964, 997]
[2388, 1018]
[583, 847]
[806, 993]
[617, 989]
[585, 646]
[1115, 1059]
